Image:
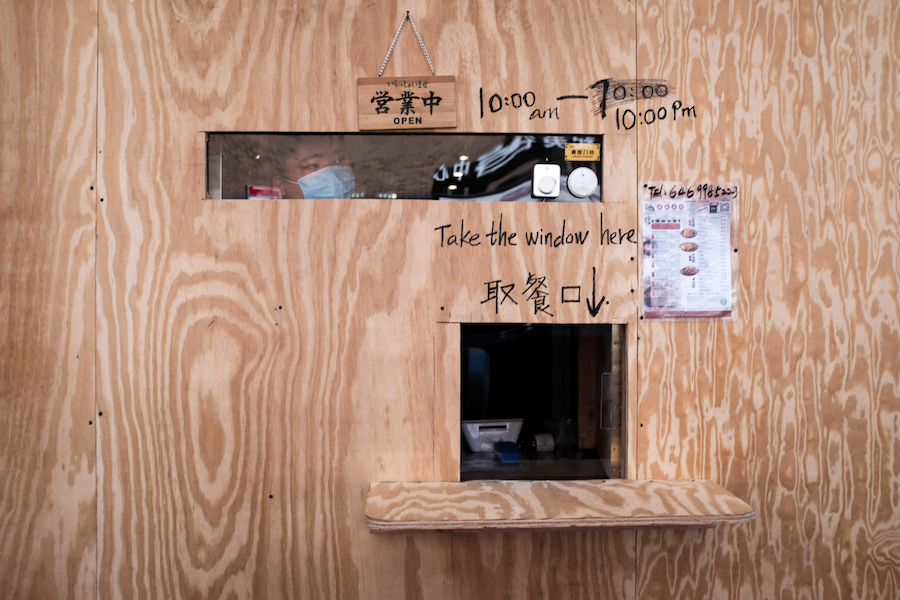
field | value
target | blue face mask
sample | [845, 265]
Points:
[331, 182]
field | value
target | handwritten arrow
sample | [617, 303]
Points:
[592, 305]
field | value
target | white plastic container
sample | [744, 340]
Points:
[481, 435]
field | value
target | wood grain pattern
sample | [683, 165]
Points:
[351, 427]
[794, 404]
[479, 505]
[48, 502]
[465, 272]
[259, 364]
[288, 349]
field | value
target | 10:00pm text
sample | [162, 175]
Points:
[627, 119]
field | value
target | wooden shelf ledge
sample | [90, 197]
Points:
[595, 504]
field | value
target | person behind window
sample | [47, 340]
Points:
[314, 167]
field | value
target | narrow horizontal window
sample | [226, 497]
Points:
[448, 166]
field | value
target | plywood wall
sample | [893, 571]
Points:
[258, 364]
[48, 418]
[795, 405]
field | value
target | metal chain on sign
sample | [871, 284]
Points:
[394, 43]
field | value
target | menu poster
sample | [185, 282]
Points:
[687, 249]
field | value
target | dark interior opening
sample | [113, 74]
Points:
[562, 385]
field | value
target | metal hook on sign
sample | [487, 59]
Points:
[394, 43]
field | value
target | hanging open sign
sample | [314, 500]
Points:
[406, 102]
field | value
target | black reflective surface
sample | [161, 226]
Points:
[447, 166]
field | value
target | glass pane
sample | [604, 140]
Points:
[447, 166]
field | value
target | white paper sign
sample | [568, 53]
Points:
[687, 250]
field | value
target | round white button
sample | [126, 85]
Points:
[546, 184]
[582, 182]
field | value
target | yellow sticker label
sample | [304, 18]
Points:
[586, 152]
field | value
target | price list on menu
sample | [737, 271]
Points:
[687, 251]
